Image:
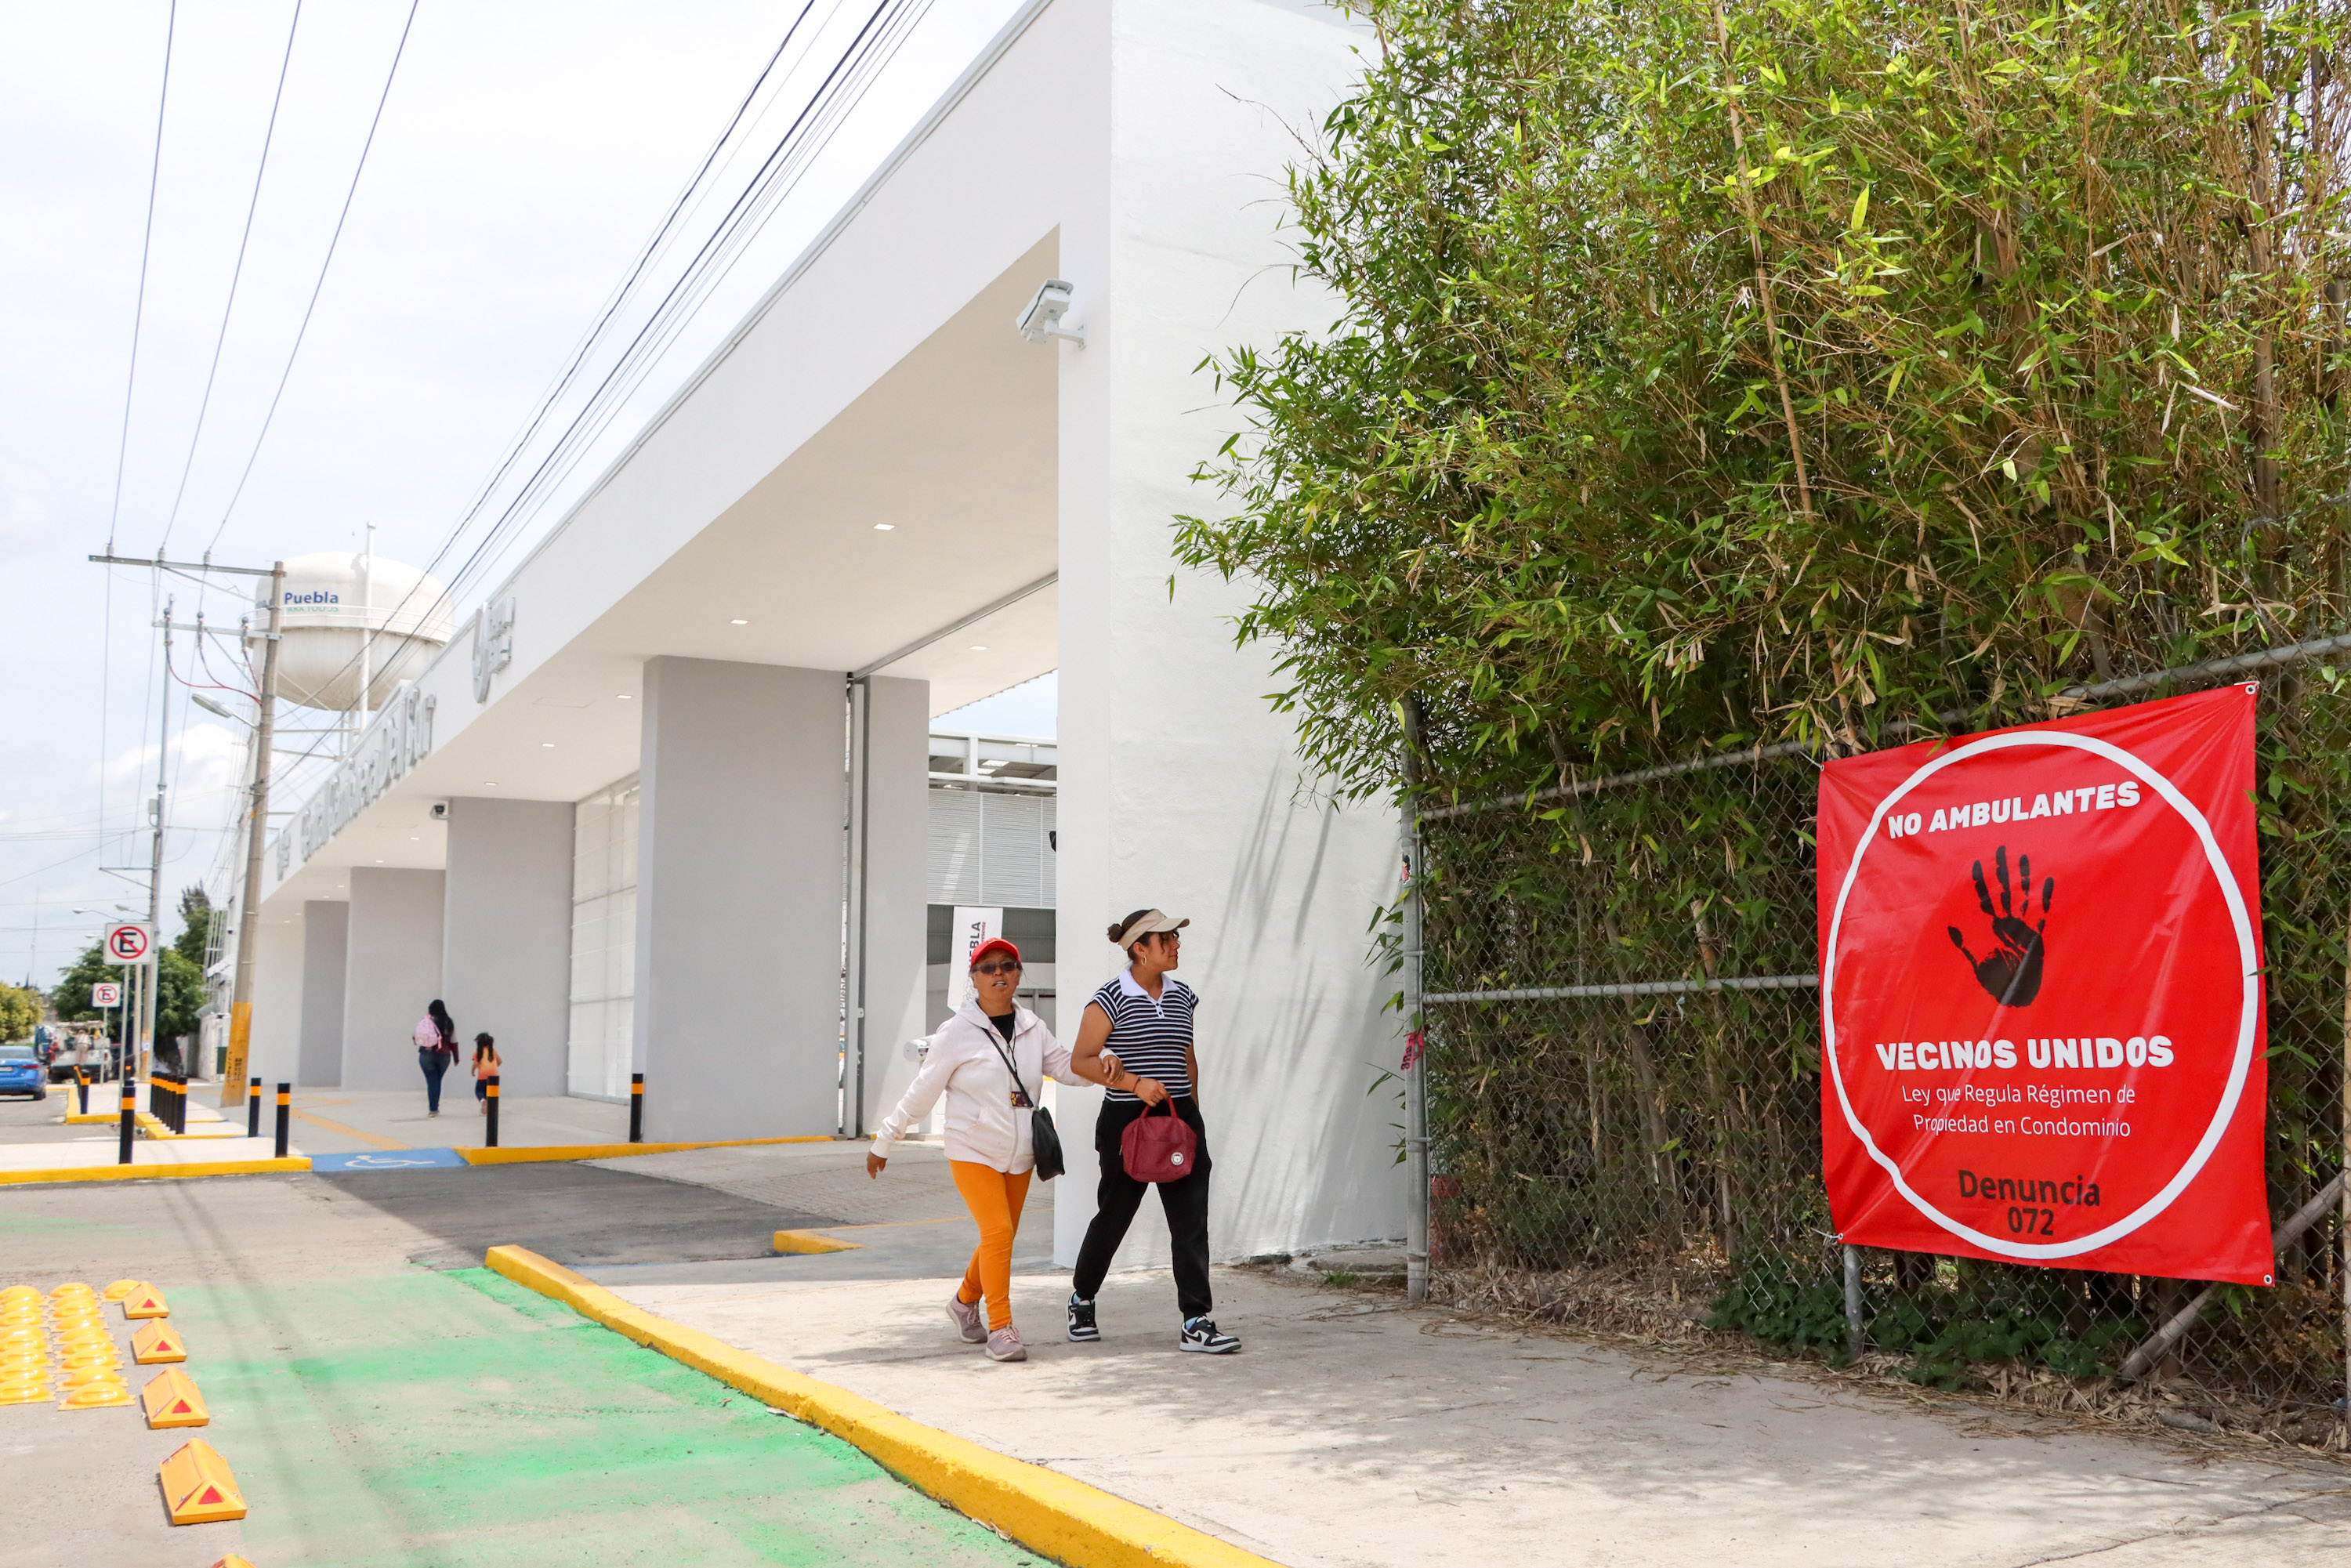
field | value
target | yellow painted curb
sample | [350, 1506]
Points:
[94, 1119]
[611, 1151]
[157, 1172]
[1045, 1510]
[804, 1241]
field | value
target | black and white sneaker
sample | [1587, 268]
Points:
[1082, 1323]
[1201, 1334]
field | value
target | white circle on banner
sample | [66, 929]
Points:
[2248, 1014]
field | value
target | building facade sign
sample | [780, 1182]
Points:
[396, 740]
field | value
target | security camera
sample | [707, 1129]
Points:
[1042, 321]
[440, 810]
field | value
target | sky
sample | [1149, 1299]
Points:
[525, 154]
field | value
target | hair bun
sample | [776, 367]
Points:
[1116, 929]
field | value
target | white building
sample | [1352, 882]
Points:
[608, 823]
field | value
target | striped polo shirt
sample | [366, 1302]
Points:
[1149, 1038]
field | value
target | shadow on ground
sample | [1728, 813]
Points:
[575, 1213]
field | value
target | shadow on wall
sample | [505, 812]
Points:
[1309, 1143]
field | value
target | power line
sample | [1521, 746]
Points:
[146, 246]
[318, 286]
[236, 275]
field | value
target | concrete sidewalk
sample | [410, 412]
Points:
[1354, 1430]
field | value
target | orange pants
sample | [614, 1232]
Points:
[993, 1199]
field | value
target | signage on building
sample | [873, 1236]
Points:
[398, 738]
[129, 941]
[2041, 995]
[973, 926]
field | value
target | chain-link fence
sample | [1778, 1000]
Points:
[1617, 984]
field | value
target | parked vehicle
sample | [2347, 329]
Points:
[21, 1073]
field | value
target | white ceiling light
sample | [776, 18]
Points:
[490, 783]
[742, 624]
[625, 697]
[546, 746]
[883, 527]
[979, 647]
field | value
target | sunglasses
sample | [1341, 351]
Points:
[1004, 968]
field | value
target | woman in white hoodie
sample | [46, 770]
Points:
[991, 1061]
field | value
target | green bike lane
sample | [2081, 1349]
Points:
[431, 1418]
[378, 1413]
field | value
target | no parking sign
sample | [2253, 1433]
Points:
[130, 942]
[106, 994]
[2041, 994]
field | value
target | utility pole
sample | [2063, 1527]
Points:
[249, 913]
[148, 992]
[248, 919]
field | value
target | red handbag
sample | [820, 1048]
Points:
[1154, 1150]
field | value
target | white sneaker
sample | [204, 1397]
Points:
[1004, 1344]
[967, 1320]
[1201, 1334]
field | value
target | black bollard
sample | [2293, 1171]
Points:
[252, 1108]
[285, 1115]
[490, 1103]
[636, 1107]
[81, 1087]
[130, 1118]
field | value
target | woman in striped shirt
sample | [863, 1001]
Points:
[1136, 1040]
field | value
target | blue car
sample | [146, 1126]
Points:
[21, 1073]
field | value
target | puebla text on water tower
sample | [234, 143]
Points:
[356, 625]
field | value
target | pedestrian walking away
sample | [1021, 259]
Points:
[485, 1064]
[990, 1060]
[436, 1051]
[1136, 1040]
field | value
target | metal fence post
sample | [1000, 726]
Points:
[1852, 1339]
[1415, 1076]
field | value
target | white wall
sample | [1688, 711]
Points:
[274, 1051]
[326, 953]
[394, 969]
[603, 942]
[505, 935]
[739, 862]
[896, 910]
[1179, 785]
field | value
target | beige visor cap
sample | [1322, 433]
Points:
[1145, 924]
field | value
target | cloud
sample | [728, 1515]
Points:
[29, 511]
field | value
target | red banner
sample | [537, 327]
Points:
[2041, 994]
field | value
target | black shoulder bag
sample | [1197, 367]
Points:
[1044, 1138]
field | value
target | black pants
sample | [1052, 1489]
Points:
[1186, 1204]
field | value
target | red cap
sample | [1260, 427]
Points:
[990, 946]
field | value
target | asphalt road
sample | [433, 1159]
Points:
[382, 1405]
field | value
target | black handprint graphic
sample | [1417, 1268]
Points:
[2012, 970]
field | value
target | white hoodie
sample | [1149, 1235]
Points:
[966, 1063]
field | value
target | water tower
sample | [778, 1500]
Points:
[355, 620]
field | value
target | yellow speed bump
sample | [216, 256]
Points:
[120, 1288]
[232, 1561]
[146, 1302]
[95, 1396]
[808, 1241]
[157, 1342]
[198, 1487]
[83, 1376]
[24, 1392]
[172, 1400]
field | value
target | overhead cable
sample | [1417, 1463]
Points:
[237, 274]
[146, 247]
[334, 239]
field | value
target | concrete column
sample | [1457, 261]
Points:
[740, 868]
[326, 956]
[897, 803]
[274, 1051]
[505, 935]
[1180, 785]
[392, 969]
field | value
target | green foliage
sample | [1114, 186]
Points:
[19, 1011]
[1704, 377]
[197, 917]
